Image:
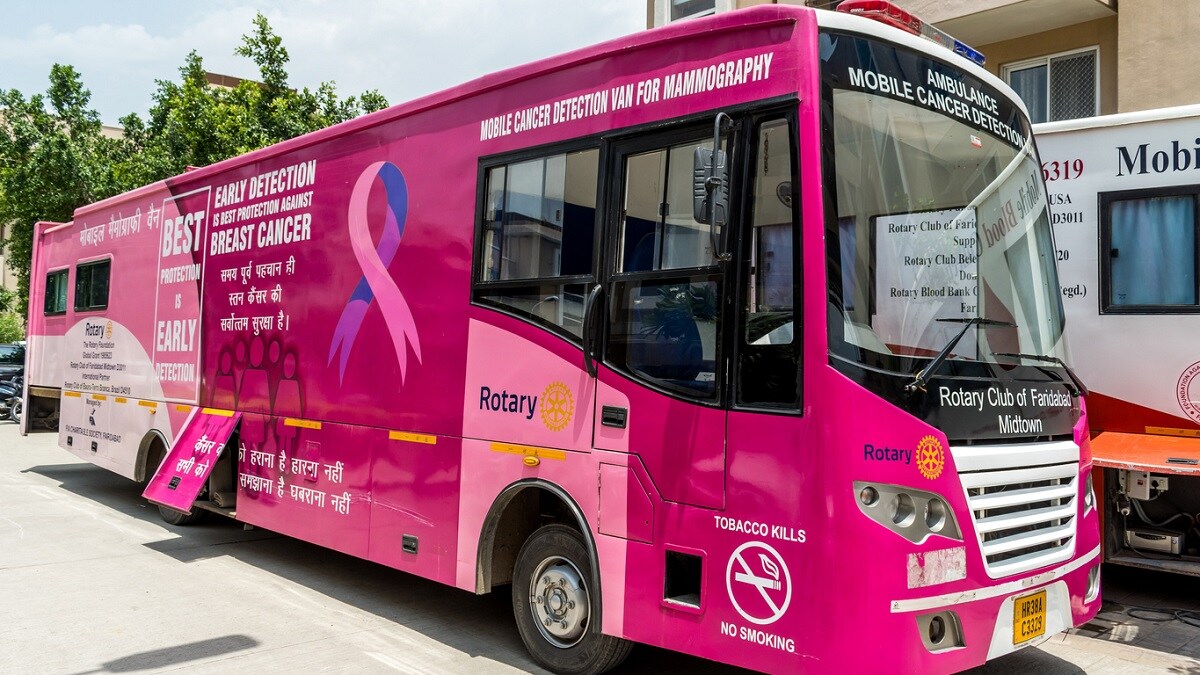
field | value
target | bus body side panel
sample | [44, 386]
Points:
[308, 480]
[335, 287]
[527, 416]
[43, 355]
[1113, 155]
[113, 395]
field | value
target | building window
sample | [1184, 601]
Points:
[91, 285]
[56, 293]
[682, 9]
[538, 235]
[1059, 86]
[1151, 255]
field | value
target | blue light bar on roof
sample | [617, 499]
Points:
[965, 50]
[886, 12]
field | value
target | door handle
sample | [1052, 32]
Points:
[614, 416]
[589, 362]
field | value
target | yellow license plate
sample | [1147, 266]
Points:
[1029, 617]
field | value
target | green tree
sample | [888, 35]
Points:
[12, 328]
[54, 159]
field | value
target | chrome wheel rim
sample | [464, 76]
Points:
[558, 602]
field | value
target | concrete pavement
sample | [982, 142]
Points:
[92, 581]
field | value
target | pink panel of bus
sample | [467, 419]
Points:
[741, 337]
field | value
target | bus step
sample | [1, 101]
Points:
[224, 499]
[215, 508]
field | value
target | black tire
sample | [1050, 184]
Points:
[551, 580]
[14, 413]
[173, 517]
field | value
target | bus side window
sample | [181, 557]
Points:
[56, 293]
[1152, 238]
[538, 226]
[91, 285]
[769, 348]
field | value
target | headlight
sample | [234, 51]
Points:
[935, 514]
[903, 510]
[868, 496]
[913, 514]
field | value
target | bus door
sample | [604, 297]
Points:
[767, 435]
[659, 383]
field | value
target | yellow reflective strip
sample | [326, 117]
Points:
[99, 397]
[1167, 431]
[121, 399]
[306, 424]
[529, 451]
[72, 394]
[217, 411]
[412, 438]
[183, 408]
[148, 404]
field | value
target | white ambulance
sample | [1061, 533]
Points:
[1125, 208]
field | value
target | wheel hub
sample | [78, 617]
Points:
[558, 601]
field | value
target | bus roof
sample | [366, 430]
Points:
[762, 15]
[856, 24]
[748, 18]
[1119, 119]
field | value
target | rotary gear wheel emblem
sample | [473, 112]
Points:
[558, 406]
[931, 458]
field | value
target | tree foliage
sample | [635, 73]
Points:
[54, 158]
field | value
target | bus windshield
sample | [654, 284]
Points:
[940, 225]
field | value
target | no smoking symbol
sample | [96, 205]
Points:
[759, 584]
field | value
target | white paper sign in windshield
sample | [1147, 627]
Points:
[926, 268]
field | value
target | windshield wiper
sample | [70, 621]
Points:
[1078, 389]
[922, 376]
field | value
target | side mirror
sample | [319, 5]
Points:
[710, 186]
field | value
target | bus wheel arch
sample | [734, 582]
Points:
[516, 513]
[536, 537]
[151, 452]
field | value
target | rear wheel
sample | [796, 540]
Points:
[555, 608]
[173, 517]
[14, 413]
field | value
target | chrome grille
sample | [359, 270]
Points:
[1023, 503]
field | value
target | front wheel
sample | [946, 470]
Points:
[14, 411]
[554, 606]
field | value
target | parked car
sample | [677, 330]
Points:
[12, 361]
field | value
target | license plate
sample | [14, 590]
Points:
[1029, 617]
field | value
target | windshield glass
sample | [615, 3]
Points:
[940, 214]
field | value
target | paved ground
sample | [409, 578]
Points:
[92, 581]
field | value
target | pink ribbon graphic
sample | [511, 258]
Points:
[376, 282]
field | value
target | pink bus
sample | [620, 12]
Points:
[741, 337]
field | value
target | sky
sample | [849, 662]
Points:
[403, 48]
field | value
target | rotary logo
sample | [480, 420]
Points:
[558, 406]
[931, 458]
[108, 331]
[1187, 391]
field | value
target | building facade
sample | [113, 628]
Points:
[1066, 58]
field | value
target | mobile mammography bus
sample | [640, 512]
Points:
[738, 337]
[1124, 193]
